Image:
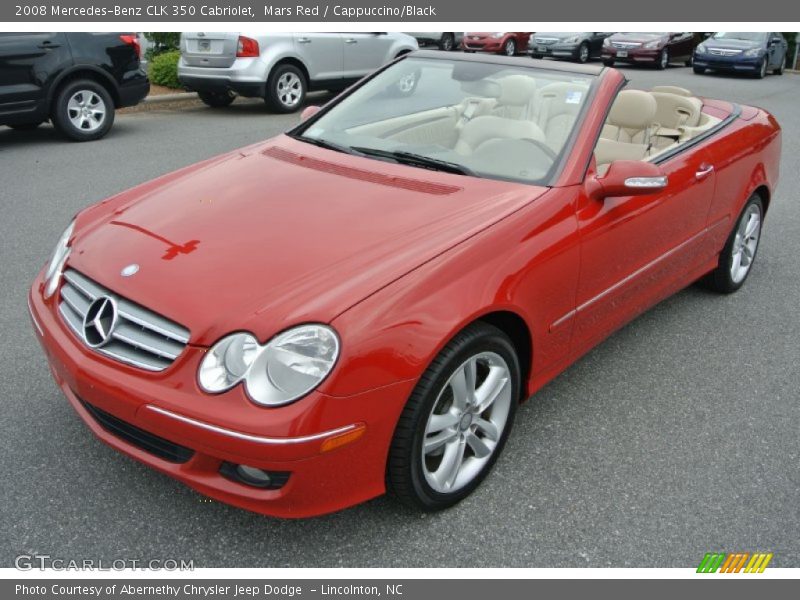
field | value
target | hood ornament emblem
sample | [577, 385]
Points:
[100, 321]
[130, 270]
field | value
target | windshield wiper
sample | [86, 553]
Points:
[417, 160]
[324, 144]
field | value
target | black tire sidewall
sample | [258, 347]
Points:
[470, 342]
[61, 119]
[271, 95]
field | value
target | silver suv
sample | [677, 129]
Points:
[281, 67]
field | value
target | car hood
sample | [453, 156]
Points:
[280, 233]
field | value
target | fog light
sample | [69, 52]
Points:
[253, 476]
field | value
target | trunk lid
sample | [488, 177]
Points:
[211, 49]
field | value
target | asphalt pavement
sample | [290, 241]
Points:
[678, 436]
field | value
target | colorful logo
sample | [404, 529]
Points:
[734, 562]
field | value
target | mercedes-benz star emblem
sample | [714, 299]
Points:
[99, 321]
[131, 269]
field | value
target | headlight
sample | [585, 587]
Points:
[653, 44]
[499, 34]
[285, 369]
[573, 40]
[607, 42]
[753, 52]
[701, 49]
[52, 275]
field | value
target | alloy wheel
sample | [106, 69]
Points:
[290, 89]
[510, 48]
[86, 110]
[466, 422]
[745, 243]
[583, 55]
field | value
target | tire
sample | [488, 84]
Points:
[412, 473]
[537, 56]
[583, 53]
[781, 68]
[608, 63]
[286, 89]
[762, 70]
[699, 70]
[26, 126]
[663, 60]
[216, 99]
[447, 42]
[509, 48]
[689, 61]
[726, 279]
[83, 110]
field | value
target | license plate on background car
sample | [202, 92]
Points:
[622, 53]
[204, 46]
[541, 48]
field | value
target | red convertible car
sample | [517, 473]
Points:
[360, 304]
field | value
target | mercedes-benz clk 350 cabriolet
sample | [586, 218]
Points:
[359, 305]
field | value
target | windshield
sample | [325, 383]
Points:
[464, 117]
[752, 36]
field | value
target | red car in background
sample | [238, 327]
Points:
[502, 42]
[361, 303]
[656, 48]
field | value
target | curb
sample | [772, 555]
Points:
[170, 97]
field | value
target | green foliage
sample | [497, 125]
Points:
[163, 41]
[164, 69]
[793, 41]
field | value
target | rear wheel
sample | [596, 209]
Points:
[780, 68]
[216, 99]
[83, 110]
[510, 48]
[286, 89]
[737, 257]
[447, 42]
[456, 421]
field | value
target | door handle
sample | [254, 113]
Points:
[303, 40]
[351, 41]
[704, 171]
[48, 44]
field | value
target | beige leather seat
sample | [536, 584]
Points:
[671, 89]
[632, 118]
[516, 94]
[674, 111]
[491, 127]
[555, 109]
[626, 135]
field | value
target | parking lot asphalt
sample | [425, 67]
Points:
[678, 436]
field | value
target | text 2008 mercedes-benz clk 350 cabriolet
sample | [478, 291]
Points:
[360, 304]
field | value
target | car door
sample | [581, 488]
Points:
[27, 62]
[323, 55]
[775, 49]
[636, 249]
[680, 45]
[364, 52]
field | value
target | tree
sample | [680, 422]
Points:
[163, 41]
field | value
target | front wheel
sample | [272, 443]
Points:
[83, 110]
[780, 68]
[737, 257]
[583, 53]
[447, 42]
[286, 89]
[699, 70]
[456, 421]
[216, 99]
[663, 60]
[510, 48]
[762, 70]
[608, 62]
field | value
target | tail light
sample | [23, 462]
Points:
[247, 48]
[132, 40]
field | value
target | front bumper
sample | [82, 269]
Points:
[483, 45]
[744, 64]
[227, 428]
[569, 51]
[632, 56]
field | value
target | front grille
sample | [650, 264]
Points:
[139, 337]
[722, 52]
[546, 41]
[140, 438]
[626, 45]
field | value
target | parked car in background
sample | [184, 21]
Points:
[657, 48]
[445, 40]
[502, 42]
[755, 53]
[74, 80]
[580, 46]
[281, 67]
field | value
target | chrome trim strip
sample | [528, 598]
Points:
[246, 436]
[33, 318]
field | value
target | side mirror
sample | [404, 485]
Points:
[629, 178]
[308, 112]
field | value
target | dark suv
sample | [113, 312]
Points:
[75, 80]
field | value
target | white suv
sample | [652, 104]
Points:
[281, 67]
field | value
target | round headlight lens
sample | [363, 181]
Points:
[52, 274]
[227, 363]
[292, 364]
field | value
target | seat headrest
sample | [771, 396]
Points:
[516, 90]
[675, 111]
[633, 109]
[483, 88]
[671, 89]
